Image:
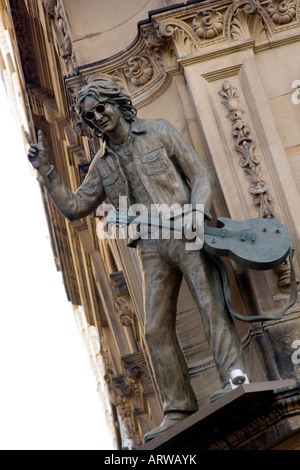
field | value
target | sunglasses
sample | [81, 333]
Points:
[90, 115]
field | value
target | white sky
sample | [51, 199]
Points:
[48, 396]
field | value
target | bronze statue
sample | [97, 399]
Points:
[148, 161]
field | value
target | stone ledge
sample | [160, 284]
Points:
[254, 416]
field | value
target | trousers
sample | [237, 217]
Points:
[164, 264]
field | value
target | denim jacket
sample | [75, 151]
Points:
[170, 170]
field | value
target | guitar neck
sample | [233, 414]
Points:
[157, 222]
[213, 230]
[167, 223]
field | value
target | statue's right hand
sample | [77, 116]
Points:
[37, 153]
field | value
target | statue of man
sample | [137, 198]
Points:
[148, 161]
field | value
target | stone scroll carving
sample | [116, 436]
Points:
[245, 146]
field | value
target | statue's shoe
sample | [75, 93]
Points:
[170, 420]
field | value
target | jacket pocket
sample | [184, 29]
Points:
[113, 187]
[155, 162]
[110, 179]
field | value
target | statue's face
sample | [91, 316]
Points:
[104, 116]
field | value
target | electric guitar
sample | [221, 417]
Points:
[253, 243]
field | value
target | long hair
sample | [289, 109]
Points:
[105, 91]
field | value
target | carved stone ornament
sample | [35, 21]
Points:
[281, 11]
[245, 146]
[139, 70]
[127, 396]
[144, 69]
[125, 408]
[49, 6]
[120, 392]
[135, 366]
[128, 390]
[246, 21]
[56, 13]
[122, 300]
[183, 36]
[225, 21]
[208, 24]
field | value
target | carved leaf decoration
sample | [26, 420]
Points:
[245, 146]
[247, 22]
[184, 38]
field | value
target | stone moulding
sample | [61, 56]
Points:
[202, 26]
[144, 69]
[58, 18]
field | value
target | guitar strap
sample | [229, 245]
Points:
[252, 318]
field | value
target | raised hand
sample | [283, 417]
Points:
[37, 154]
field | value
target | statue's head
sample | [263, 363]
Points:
[103, 92]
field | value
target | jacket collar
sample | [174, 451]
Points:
[137, 127]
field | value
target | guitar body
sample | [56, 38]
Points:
[254, 243]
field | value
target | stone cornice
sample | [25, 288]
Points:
[174, 37]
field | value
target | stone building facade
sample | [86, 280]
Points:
[226, 74]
